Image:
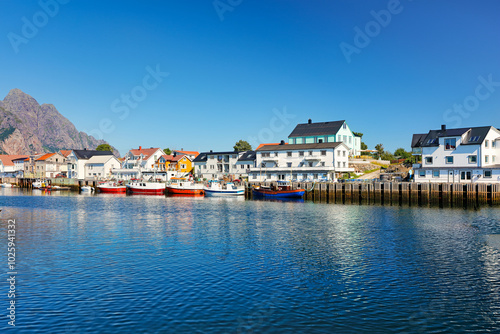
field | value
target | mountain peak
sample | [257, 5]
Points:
[40, 128]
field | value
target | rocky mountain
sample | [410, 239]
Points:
[27, 127]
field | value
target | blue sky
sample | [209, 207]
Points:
[230, 69]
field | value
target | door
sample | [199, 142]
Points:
[465, 176]
[450, 176]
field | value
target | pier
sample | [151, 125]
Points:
[464, 195]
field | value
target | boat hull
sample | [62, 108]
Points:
[181, 191]
[223, 193]
[113, 190]
[298, 193]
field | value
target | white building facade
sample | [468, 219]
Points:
[464, 155]
[77, 160]
[301, 162]
[99, 167]
[326, 132]
[217, 165]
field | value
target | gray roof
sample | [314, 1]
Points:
[289, 147]
[202, 157]
[247, 156]
[432, 137]
[87, 154]
[316, 129]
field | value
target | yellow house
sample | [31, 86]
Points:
[179, 163]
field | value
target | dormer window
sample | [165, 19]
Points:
[450, 144]
[432, 141]
[474, 139]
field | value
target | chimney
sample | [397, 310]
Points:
[282, 142]
[175, 154]
[309, 121]
[443, 127]
[182, 149]
[140, 148]
[211, 151]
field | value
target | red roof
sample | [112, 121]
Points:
[146, 152]
[188, 153]
[262, 145]
[7, 158]
[171, 158]
[65, 152]
[45, 156]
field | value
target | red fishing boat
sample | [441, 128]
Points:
[111, 188]
[182, 186]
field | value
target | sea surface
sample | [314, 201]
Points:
[153, 264]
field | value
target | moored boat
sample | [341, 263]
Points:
[282, 190]
[87, 189]
[215, 188]
[111, 187]
[182, 186]
[146, 187]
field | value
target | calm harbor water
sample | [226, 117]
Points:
[119, 264]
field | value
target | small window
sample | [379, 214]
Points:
[323, 153]
[288, 154]
[472, 159]
[435, 173]
[428, 160]
[301, 153]
[310, 164]
[344, 126]
[350, 139]
[343, 164]
[275, 154]
[493, 158]
[486, 143]
[322, 164]
[486, 158]
[449, 160]
[310, 153]
[487, 174]
[338, 164]
[493, 144]
[450, 143]
[343, 153]
[421, 173]
[289, 164]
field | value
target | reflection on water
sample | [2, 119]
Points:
[111, 263]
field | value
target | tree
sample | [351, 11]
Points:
[167, 151]
[364, 146]
[380, 149]
[242, 145]
[104, 147]
[387, 156]
[359, 134]
[401, 152]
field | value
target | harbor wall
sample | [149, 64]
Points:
[397, 193]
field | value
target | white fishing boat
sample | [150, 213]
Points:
[146, 187]
[87, 189]
[229, 189]
[6, 185]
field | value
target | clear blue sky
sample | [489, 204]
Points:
[229, 67]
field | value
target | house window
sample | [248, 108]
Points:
[343, 164]
[449, 160]
[472, 159]
[211, 166]
[486, 143]
[339, 138]
[310, 153]
[493, 158]
[275, 154]
[487, 174]
[343, 153]
[486, 158]
[289, 164]
[323, 153]
[310, 164]
[493, 144]
[344, 126]
[338, 153]
[421, 173]
[322, 164]
[254, 176]
[204, 166]
[435, 173]
[350, 139]
[288, 154]
[428, 160]
[183, 166]
[450, 143]
[338, 164]
[345, 139]
[301, 153]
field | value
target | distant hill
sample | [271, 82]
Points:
[27, 127]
